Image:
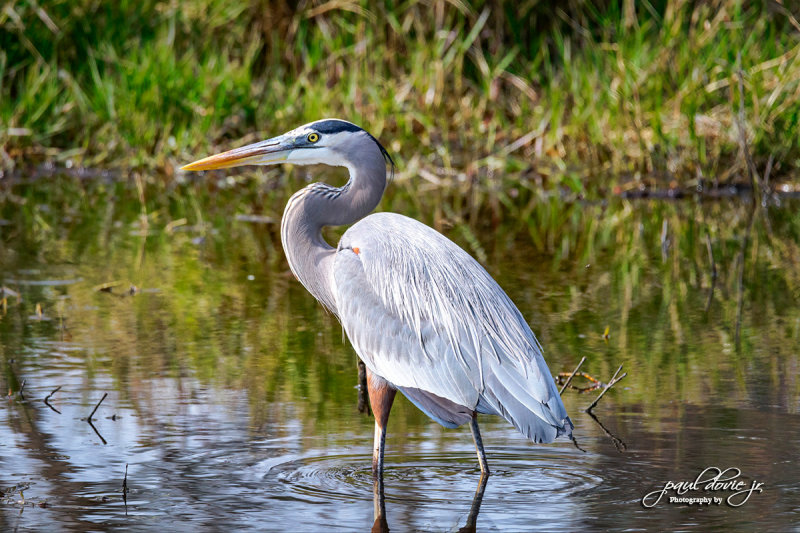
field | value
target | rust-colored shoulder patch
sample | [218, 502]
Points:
[356, 251]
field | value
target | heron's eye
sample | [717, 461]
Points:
[313, 137]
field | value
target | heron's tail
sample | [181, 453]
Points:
[565, 431]
[542, 422]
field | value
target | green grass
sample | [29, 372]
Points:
[564, 97]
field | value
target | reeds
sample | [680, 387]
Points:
[603, 88]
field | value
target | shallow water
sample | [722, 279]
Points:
[232, 396]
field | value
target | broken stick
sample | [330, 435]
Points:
[47, 398]
[561, 392]
[614, 381]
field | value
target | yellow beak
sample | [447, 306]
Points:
[261, 153]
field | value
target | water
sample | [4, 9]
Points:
[232, 396]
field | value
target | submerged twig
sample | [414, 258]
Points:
[89, 420]
[125, 489]
[21, 387]
[561, 392]
[614, 381]
[47, 398]
[96, 406]
[616, 378]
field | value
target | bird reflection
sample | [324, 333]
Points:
[379, 507]
[381, 525]
[472, 518]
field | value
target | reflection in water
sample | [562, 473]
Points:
[472, 517]
[619, 444]
[233, 400]
[47, 399]
[89, 418]
[381, 524]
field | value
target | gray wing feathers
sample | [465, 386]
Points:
[425, 316]
[442, 410]
[403, 355]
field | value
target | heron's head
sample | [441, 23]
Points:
[330, 141]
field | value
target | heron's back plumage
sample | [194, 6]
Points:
[428, 318]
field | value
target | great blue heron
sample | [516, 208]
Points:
[424, 317]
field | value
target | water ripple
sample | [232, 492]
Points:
[431, 478]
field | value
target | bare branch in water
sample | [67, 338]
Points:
[614, 381]
[89, 420]
[96, 406]
[47, 398]
[596, 384]
[561, 392]
[125, 489]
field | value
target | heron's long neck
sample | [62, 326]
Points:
[319, 205]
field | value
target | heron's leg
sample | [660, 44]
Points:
[363, 401]
[381, 396]
[476, 436]
[377, 450]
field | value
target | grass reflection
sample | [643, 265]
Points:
[216, 300]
